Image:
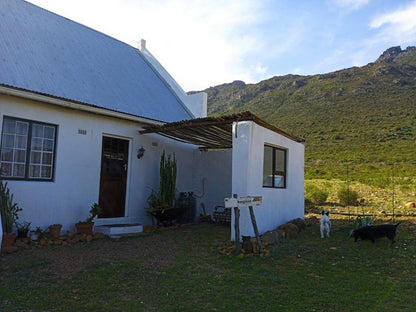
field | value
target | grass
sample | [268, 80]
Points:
[181, 270]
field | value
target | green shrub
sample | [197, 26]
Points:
[316, 195]
[347, 196]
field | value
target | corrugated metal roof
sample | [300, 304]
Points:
[49, 54]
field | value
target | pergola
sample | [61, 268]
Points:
[210, 132]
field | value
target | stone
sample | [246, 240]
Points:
[291, 230]
[271, 237]
[300, 223]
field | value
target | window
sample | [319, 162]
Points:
[27, 149]
[274, 167]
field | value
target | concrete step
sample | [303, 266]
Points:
[119, 229]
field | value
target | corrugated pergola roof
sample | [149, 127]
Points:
[210, 132]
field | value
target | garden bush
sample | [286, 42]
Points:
[347, 196]
[316, 195]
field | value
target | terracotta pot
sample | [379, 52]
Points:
[55, 230]
[85, 228]
[8, 239]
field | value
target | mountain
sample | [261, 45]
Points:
[361, 116]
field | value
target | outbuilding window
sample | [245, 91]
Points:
[274, 167]
[27, 149]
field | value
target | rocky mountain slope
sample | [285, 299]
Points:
[361, 116]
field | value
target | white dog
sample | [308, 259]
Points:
[325, 224]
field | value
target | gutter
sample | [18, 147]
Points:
[76, 105]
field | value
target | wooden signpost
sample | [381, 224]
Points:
[244, 201]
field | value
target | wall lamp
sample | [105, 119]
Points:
[140, 152]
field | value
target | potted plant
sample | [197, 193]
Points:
[22, 229]
[55, 230]
[9, 214]
[36, 234]
[85, 227]
[162, 203]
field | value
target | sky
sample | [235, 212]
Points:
[204, 43]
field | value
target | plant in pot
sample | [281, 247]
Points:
[162, 203]
[85, 227]
[9, 214]
[55, 230]
[23, 229]
[36, 234]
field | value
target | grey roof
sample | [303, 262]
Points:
[49, 54]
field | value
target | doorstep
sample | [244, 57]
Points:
[119, 229]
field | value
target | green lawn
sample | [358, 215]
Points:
[181, 270]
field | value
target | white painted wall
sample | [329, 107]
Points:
[68, 198]
[212, 179]
[279, 205]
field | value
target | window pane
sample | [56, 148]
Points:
[9, 126]
[35, 157]
[280, 161]
[47, 159]
[36, 144]
[19, 170]
[6, 169]
[34, 171]
[20, 156]
[8, 140]
[22, 127]
[37, 131]
[268, 166]
[49, 132]
[21, 141]
[7, 154]
[279, 165]
[48, 145]
[46, 172]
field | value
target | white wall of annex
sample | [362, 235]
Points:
[68, 198]
[212, 179]
[279, 205]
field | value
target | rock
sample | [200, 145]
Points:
[290, 230]
[311, 221]
[247, 245]
[300, 223]
[256, 248]
[390, 54]
[271, 237]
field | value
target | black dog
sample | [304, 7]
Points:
[372, 232]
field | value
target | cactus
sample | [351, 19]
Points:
[167, 183]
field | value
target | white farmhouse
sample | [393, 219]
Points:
[77, 106]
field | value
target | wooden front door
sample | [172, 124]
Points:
[113, 181]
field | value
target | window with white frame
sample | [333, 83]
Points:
[274, 167]
[27, 149]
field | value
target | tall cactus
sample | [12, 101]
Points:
[167, 184]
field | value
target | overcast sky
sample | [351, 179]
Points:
[203, 43]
